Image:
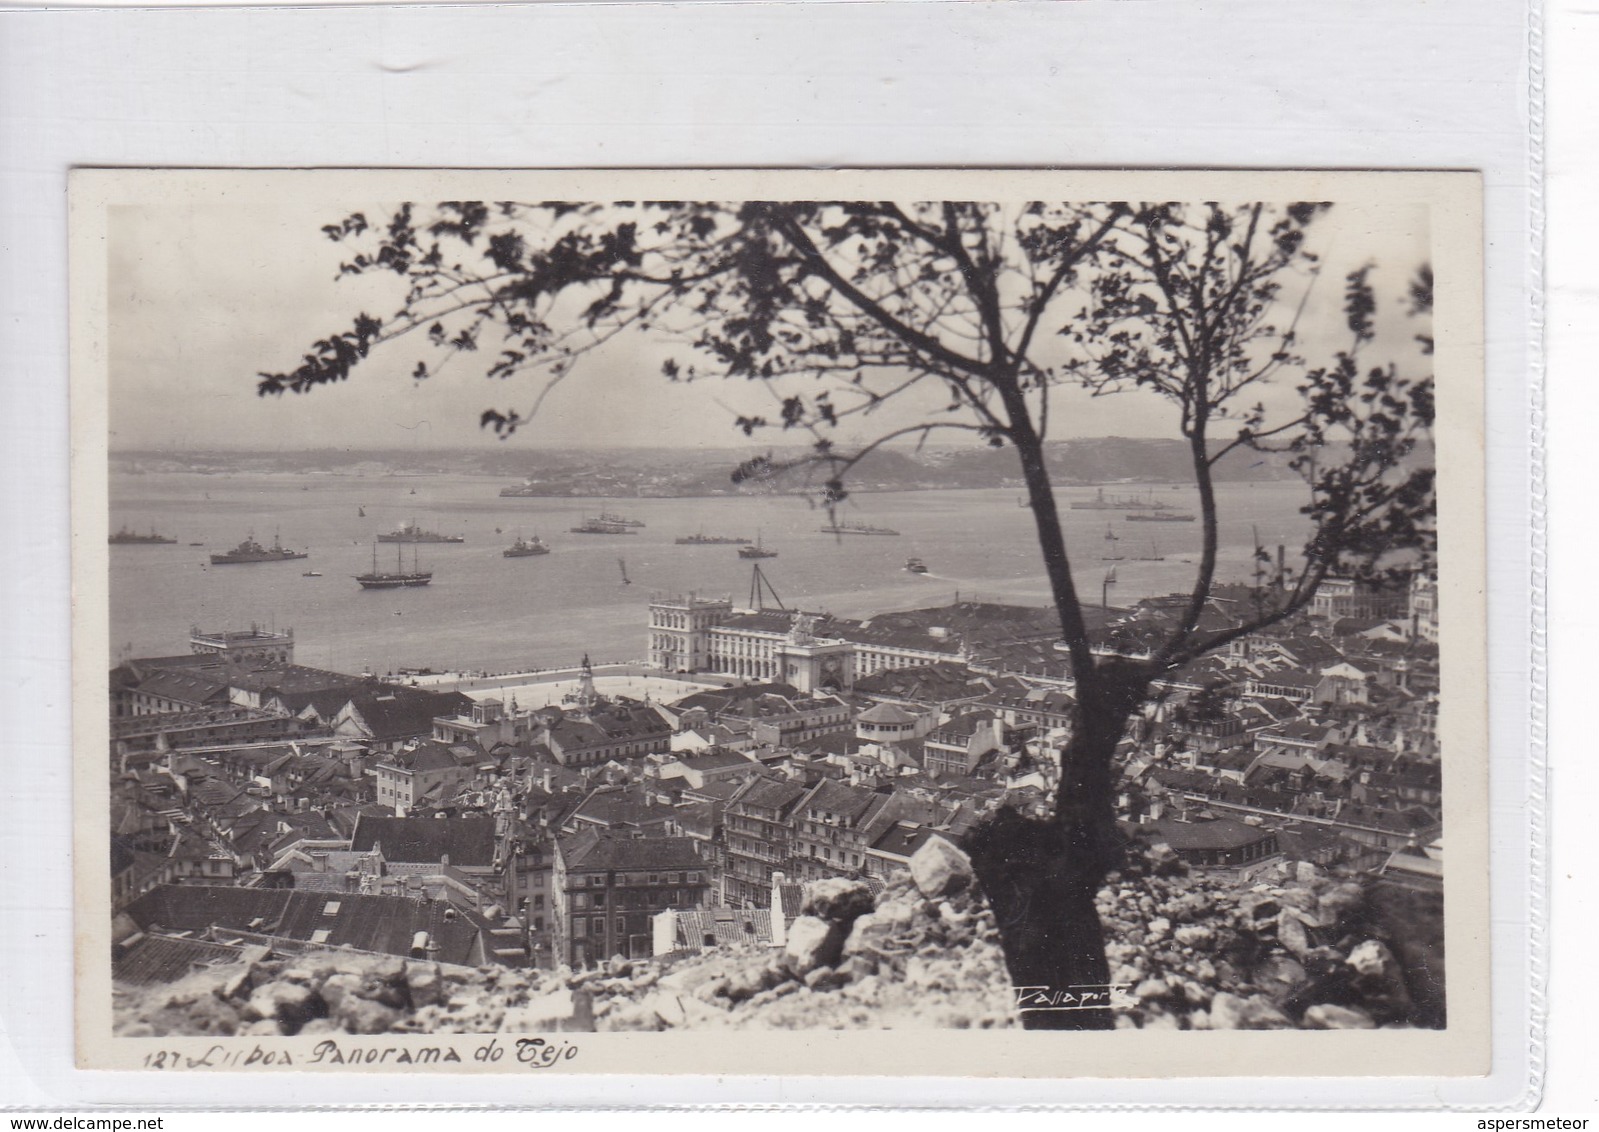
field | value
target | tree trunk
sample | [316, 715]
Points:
[1042, 895]
[1041, 875]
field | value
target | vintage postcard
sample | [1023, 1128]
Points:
[700, 621]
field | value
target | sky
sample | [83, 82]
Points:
[203, 298]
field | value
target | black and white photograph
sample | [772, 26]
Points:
[582, 608]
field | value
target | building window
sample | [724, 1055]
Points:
[579, 928]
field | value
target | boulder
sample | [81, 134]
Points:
[291, 1004]
[939, 868]
[1291, 933]
[337, 987]
[1278, 975]
[365, 1015]
[1329, 1017]
[1379, 980]
[561, 1011]
[1228, 1012]
[837, 899]
[1261, 1014]
[424, 984]
[813, 942]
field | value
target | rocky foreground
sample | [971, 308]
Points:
[1186, 952]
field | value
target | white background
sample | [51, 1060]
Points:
[1275, 83]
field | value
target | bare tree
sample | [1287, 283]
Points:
[1001, 310]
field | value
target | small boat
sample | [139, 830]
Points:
[916, 566]
[360, 512]
[626, 581]
[1113, 558]
[197, 544]
[1110, 535]
[1154, 555]
[312, 574]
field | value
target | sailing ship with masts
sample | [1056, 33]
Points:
[401, 577]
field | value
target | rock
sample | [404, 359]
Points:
[264, 1027]
[364, 1015]
[1301, 898]
[560, 1011]
[1291, 933]
[239, 984]
[812, 943]
[389, 969]
[825, 978]
[424, 984]
[1151, 988]
[1195, 935]
[1261, 1014]
[1379, 980]
[1158, 929]
[939, 868]
[837, 899]
[1339, 902]
[1279, 976]
[292, 1004]
[856, 968]
[1304, 872]
[1329, 1017]
[1228, 1012]
[384, 990]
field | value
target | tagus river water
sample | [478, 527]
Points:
[485, 611]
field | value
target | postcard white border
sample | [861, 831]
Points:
[1460, 1050]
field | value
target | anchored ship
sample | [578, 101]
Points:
[611, 517]
[251, 551]
[857, 529]
[1102, 502]
[399, 578]
[711, 540]
[603, 526]
[1160, 517]
[126, 537]
[756, 550]
[526, 548]
[412, 532]
[524, 490]
[916, 566]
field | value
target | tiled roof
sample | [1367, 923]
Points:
[593, 853]
[1218, 833]
[467, 842]
[772, 794]
[727, 926]
[715, 700]
[183, 686]
[162, 959]
[399, 713]
[887, 713]
[718, 760]
[385, 924]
